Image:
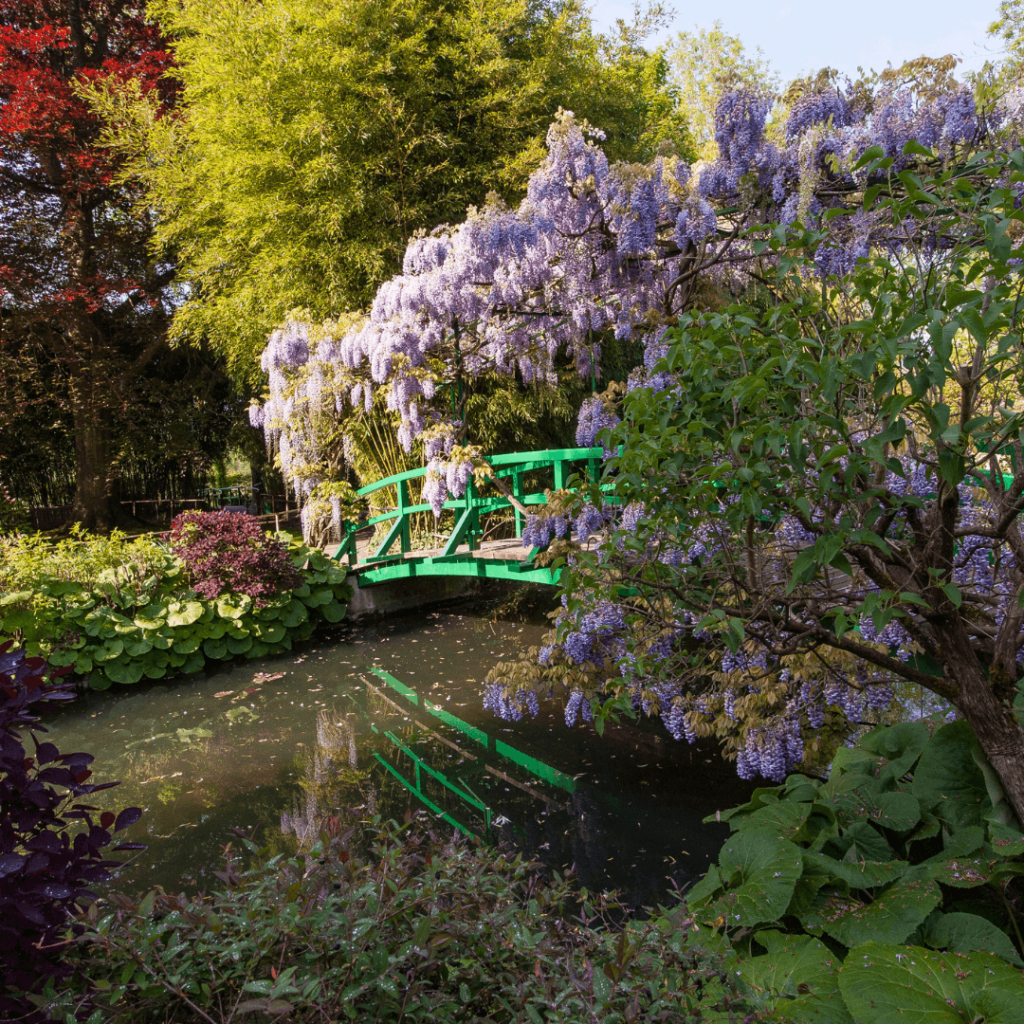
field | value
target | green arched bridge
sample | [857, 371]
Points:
[463, 550]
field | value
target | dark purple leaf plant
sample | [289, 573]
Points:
[51, 843]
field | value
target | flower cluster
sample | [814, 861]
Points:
[593, 248]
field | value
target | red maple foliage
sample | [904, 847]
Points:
[78, 286]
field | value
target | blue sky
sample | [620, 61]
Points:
[799, 36]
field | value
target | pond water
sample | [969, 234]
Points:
[389, 717]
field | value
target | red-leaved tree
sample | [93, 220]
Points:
[79, 289]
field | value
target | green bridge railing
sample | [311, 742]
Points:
[391, 559]
[458, 785]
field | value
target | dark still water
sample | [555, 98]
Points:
[389, 717]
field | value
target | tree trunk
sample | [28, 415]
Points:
[1001, 738]
[93, 507]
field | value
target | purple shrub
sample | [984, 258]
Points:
[230, 551]
[49, 843]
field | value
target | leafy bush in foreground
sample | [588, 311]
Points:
[905, 867]
[49, 843]
[418, 930]
[138, 616]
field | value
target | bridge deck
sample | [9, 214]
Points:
[505, 558]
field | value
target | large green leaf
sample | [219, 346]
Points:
[111, 649]
[699, 895]
[99, 680]
[897, 741]
[336, 576]
[184, 613]
[233, 606]
[61, 657]
[948, 781]
[760, 874]
[194, 662]
[187, 644]
[929, 827]
[963, 842]
[294, 614]
[320, 596]
[967, 933]
[20, 619]
[1002, 810]
[887, 984]
[959, 872]
[217, 650]
[60, 588]
[334, 611]
[797, 980]
[762, 796]
[891, 917]
[862, 841]
[270, 632]
[123, 671]
[1006, 840]
[137, 647]
[784, 820]
[811, 879]
[317, 561]
[238, 645]
[861, 874]
[896, 810]
[853, 761]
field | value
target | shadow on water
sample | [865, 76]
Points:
[390, 717]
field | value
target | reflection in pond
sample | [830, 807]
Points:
[389, 718]
[332, 763]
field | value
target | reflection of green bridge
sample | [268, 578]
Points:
[394, 558]
[458, 784]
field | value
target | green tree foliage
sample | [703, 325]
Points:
[1009, 29]
[168, 424]
[316, 137]
[703, 64]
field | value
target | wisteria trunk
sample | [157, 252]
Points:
[1001, 738]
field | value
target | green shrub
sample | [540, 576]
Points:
[117, 611]
[891, 892]
[417, 930]
[81, 557]
[15, 515]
